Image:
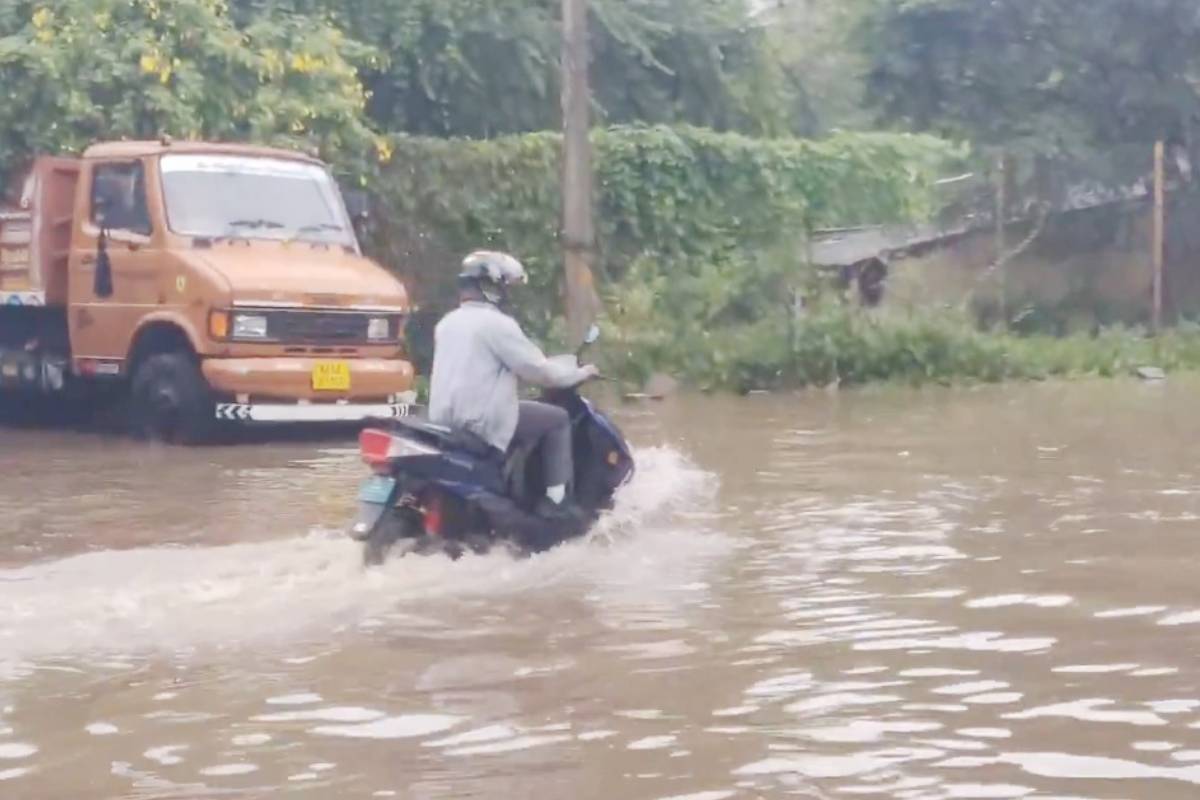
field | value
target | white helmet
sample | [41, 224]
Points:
[492, 272]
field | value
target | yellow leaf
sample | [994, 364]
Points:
[383, 149]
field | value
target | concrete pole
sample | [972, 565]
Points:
[579, 230]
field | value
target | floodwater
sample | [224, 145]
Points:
[982, 593]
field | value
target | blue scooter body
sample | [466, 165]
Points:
[436, 489]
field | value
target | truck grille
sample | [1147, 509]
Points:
[323, 327]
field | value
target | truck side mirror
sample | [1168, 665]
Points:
[101, 205]
[103, 279]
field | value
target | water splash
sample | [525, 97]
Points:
[183, 598]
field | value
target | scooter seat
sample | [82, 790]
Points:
[452, 439]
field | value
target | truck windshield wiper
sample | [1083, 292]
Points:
[250, 224]
[315, 228]
[255, 224]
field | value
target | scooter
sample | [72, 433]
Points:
[437, 490]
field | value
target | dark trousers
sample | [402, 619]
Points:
[547, 429]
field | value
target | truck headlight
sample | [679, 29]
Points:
[249, 326]
[379, 329]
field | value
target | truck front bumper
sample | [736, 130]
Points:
[280, 390]
[279, 413]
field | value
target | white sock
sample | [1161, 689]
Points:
[557, 494]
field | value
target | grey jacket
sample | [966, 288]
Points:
[479, 354]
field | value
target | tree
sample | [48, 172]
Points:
[699, 62]
[1058, 79]
[822, 67]
[484, 68]
[79, 70]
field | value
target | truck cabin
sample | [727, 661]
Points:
[209, 193]
[225, 278]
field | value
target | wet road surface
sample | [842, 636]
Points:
[981, 593]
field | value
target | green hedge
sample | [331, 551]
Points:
[838, 344]
[697, 230]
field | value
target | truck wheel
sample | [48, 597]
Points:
[11, 408]
[171, 401]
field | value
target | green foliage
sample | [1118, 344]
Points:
[466, 67]
[330, 72]
[1048, 77]
[327, 72]
[702, 240]
[74, 71]
[485, 68]
[811, 43]
[693, 62]
[701, 235]
[835, 344]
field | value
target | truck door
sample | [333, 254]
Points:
[105, 313]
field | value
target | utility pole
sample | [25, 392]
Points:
[1159, 235]
[579, 229]
[1002, 200]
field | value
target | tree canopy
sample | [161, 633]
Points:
[336, 73]
[74, 71]
[483, 68]
[1057, 78]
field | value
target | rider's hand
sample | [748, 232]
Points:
[589, 372]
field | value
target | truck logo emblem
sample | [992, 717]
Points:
[181, 284]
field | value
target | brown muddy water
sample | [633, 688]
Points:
[884, 594]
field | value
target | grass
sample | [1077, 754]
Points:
[836, 345]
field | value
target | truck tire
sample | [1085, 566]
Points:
[171, 402]
[35, 409]
[12, 411]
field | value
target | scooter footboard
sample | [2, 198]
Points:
[531, 533]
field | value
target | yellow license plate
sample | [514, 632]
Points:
[331, 376]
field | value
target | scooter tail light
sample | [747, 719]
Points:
[375, 446]
[433, 516]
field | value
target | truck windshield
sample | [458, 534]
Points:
[253, 198]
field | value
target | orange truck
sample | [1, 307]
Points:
[207, 284]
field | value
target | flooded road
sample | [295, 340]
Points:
[982, 593]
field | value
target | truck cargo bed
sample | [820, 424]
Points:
[16, 247]
[35, 234]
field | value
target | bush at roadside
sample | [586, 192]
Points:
[840, 345]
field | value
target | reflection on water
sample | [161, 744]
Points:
[917, 595]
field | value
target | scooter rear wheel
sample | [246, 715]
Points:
[396, 526]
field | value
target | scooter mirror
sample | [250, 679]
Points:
[590, 338]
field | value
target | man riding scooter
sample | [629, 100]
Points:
[480, 355]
